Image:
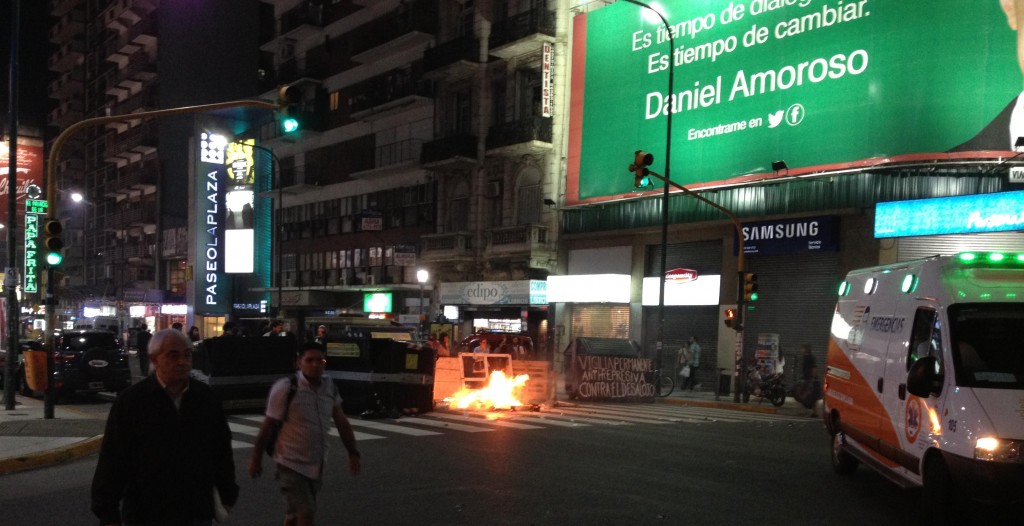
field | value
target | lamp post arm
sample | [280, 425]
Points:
[51, 194]
[735, 220]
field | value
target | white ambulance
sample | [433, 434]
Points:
[924, 379]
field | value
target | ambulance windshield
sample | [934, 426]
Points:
[988, 344]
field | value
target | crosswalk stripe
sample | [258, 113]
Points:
[590, 411]
[551, 421]
[575, 418]
[238, 444]
[626, 412]
[446, 425]
[493, 422]
[393, 428]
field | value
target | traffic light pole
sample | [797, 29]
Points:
[51, 194]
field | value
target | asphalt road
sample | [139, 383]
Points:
[643, 464]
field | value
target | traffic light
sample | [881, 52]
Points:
[52, 243]
[641, 174]
[287, 108]
[731, 321]
[749, 287]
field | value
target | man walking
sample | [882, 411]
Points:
[166, 448]
[694, 352]
[142, 342]
[304, 417]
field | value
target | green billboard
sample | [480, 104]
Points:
[825, 85]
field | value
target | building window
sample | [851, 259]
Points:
[335, 98]
[529, 197]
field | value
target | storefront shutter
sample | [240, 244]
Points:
[921, 247]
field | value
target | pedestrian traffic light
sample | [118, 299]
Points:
[749, 287]
[731, 321]
[641, 174]
[52, 242]
[287, 109]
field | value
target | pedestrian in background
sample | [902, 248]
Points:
[178, 326]
[193, 335]
[142, 344]
[276, 328]
[304, 416]
[809, 377]
[443, 345]
[166, 448]
[693, 349]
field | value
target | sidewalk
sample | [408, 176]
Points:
[28, 441]
[707, 398]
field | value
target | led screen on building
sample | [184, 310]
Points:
[820, 84]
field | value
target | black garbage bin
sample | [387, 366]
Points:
[724, 381]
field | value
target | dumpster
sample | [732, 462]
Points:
[609, 369]
[241, 369]
[378, 367]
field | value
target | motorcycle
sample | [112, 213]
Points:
[765, 386]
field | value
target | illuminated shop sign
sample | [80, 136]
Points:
[212, 283]
[523, 292]
[378, 302]
[239, 232]
[589, 288]
[34, 208]
[787, 236]
[822, 84]
[966, 214]
[703, 290]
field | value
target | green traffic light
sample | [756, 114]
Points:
[54, 258]
[290, 124]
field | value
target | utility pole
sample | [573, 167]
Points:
[12, 279]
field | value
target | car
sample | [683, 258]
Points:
[87, 361]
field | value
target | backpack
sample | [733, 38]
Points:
[276, 430]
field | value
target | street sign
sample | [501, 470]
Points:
[1017, 174]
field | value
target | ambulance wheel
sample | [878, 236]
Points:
[843, 463]
[938, 497]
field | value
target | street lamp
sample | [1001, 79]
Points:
[667, 178]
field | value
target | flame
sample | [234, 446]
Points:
[500, 393]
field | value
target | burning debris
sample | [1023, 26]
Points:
[501, 392]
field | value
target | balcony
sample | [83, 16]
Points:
[446, 247]
[530, 136]
[67, 85]
[393, 159]
[122, 14]
[407, 28]
[70, 24]
[294, 69]
[397, 90]
[59, 8]
[68, 113]
[526, 242]
[298, 23]
[69, 55]
[131, 146]
[451, 152]
[139, 253]
[452, 60]
[522, 33]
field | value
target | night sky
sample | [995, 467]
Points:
[35, 50]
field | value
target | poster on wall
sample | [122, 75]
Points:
[825, 85]
[29, 167]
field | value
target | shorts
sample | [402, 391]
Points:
[298, 490]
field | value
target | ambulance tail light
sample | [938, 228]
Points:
[998, 450]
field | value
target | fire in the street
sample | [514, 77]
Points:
[501, 392]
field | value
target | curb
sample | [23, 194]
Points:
[51, 457]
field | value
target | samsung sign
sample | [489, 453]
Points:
[787, 236]
[967, 214]
[823, 84]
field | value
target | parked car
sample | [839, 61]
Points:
[87, 361]
[496, 340]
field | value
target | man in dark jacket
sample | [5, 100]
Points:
[142, 342]
[166, 448]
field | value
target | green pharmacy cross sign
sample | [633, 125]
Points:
[34, 208]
